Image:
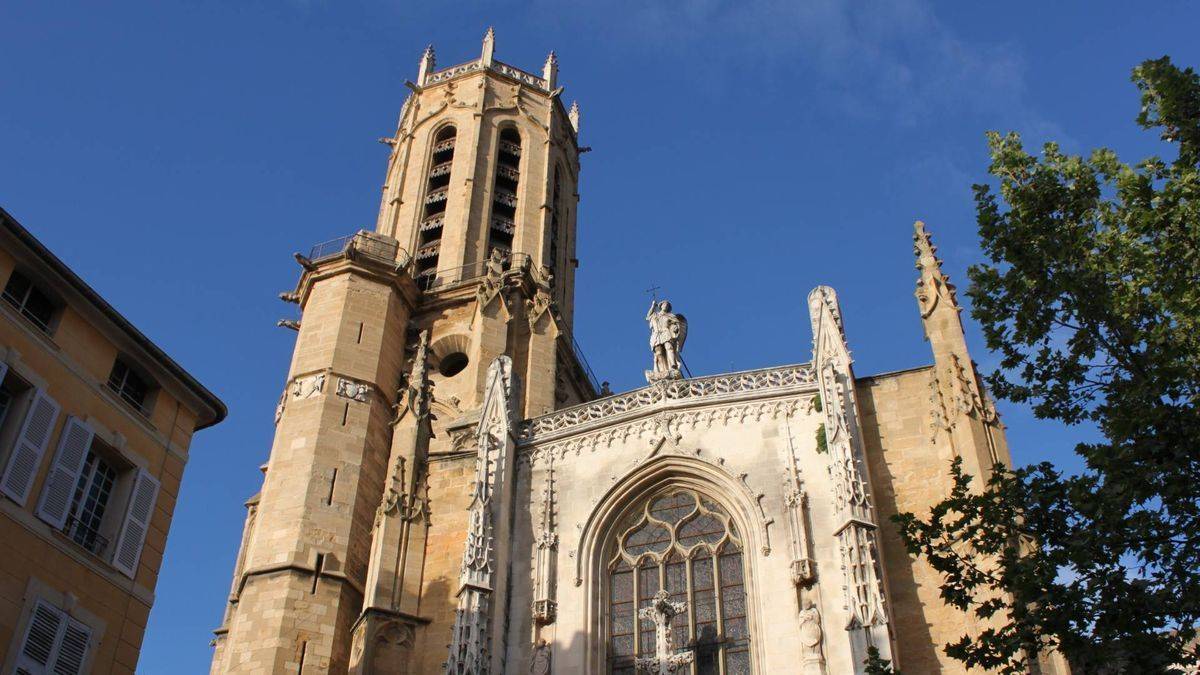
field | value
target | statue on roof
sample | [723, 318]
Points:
[668, 331]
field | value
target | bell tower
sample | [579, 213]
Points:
[349, 551]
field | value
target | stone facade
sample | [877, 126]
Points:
[77, 576]
[447, 492]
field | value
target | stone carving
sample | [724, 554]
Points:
[665, 660]
[308, 387]
[668, 332]
[804, 572]
[415, 396]
[666, 394]
[573, 116]
[353, 390]
[692, 419]
[545, 546]
[493, 277]
[462, 440]
[856, 535]
[280, 406]
[933, 284]
[470, 646]
[811, 660]
[411, 507]
[540, 664]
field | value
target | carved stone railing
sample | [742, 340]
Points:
[497, 67]
[668, 394]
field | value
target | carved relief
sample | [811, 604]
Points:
[664, 393]
[652, 426]
[540, 663]
[856, 535]
[492, 282]
[545, 547]
[308, 387]
[811, 660]
[353, 390]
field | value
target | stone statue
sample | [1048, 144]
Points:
[668, 331]
[810, 641]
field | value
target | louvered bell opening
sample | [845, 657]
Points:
[437, 193]
[503, 221]
[503, 225]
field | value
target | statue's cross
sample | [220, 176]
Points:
[653, 291]
[662, 611]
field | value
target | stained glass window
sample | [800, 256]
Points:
[688, 546]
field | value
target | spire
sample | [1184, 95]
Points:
[933, 285]
[573, 115]
[428, 63]
[489, 47]
[550, 71]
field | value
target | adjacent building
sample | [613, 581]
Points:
[95, 424]
[449, 490]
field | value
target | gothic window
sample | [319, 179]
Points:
[433, 215]
[503, 223]
[681, 542]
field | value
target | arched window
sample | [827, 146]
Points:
[503, 224]
[680, 541]
[433, 216]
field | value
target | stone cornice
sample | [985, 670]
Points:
[665, 396]
[503, 69]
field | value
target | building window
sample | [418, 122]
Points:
[30, 301]
[89, 503]
[53, 643]
[503, 226]
[681, 542]
[128, 385]
[433, 214]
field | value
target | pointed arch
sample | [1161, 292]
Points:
[660, 475]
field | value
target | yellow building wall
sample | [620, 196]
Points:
[73, 365]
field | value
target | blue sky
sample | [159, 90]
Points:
[176, 154]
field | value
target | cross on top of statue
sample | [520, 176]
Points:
[661, 611]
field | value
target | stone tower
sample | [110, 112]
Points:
[351, 552]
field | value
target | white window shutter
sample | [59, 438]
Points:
[27, 451]
[46, 625]
[137, 523]
[57, 493]
[72, 650]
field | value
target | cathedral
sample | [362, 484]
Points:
[450, 490]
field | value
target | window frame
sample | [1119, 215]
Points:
[617, 559]
[119, 390]
[24, 663]
[21, 305]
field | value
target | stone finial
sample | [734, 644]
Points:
[933, 284]
[550, 71]
[428, 63]
[489, 46]
[573, 115]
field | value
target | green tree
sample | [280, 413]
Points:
[1091, 297]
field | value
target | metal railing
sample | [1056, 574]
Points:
[85, 535]
[362, 243]
[583, 362]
